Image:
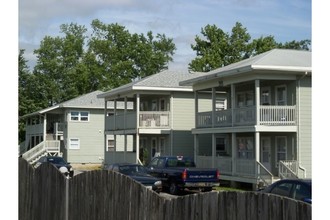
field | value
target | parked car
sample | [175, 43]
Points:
[298, 189]
[59, 162]
[178, 173]
[138, 173]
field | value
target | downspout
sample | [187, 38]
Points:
[298, 151]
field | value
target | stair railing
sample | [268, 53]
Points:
[288, 169]
[34, 152]
[265, 177]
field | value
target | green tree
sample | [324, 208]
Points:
[74, 64]
[217, 48]
[122, 56]
[58, 59]
[27, 104]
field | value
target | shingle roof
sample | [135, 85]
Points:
[89, 100]
[276, 59]
[165, 80]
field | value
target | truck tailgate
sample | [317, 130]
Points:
[202, 175]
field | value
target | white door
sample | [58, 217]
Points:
[266, 152]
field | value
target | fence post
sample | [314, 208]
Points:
[66, 213]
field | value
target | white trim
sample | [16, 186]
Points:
[282, 68]
[79, 116]
[150, 88]
[78, 144]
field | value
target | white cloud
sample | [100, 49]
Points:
[178, 19]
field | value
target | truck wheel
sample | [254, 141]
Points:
[174, 189]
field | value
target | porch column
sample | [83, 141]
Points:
[137, 128]
[213, 107]
[196, 144]
[257, 151]
[125, 135]
[45, 128]
[105, 128]
[196, 108]
[257, 146]
[172, 122]
[213, 149]
[232, 88]
[233, 153]
[257, 98]
[114, 113]
[115, 148]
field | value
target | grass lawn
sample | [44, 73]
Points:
[223, 188]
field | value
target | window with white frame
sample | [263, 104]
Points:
[79, 116]
[74, 143]
[111, 145]
[281, 148]
[220, 104]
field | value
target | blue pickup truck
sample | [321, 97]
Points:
[178, 173]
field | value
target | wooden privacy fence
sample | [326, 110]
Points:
[44, 193]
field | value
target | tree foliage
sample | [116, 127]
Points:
[74, 63]
[217, 48]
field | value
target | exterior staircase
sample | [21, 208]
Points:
[44, 148]
[287, 169]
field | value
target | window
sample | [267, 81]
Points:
[74, 143]
[154, 105]
[244, 99]
[220, 104]
[111, 145]
[282, 189]
[245, 147]
[74, 116]
[265, 96]
[162, 106]
[281, 148]
[79, 116]
[220, 144]
[281, 95]
[301, 192]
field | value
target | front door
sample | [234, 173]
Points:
[265, 152]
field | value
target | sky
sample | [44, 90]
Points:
[180, 20]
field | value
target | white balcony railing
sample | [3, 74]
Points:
[269, 115]
[147, 119]
[277, 115]
[154, 119]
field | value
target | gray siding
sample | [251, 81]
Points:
[183, 111]
[183, 143]
[305, 125]
[90, 135]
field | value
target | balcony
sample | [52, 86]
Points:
[268, 115]
[147, 119]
